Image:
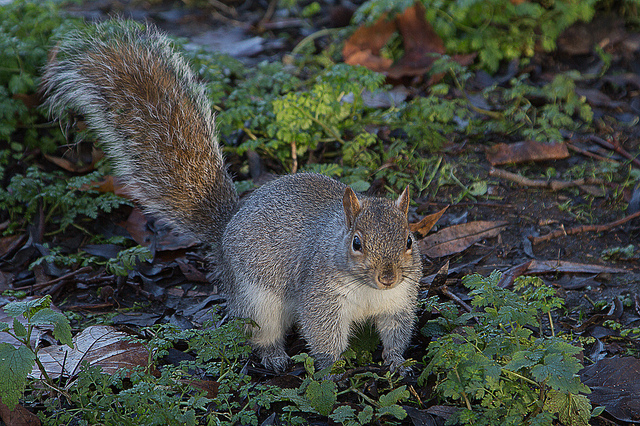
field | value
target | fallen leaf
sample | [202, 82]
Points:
[10, 243]
[191, 272]
[69, 166]
[109, 184]
[136, 226]
[420, 42]
[614, 384]
[364, 45]
[457, 238]
[509, 276]
[553, 266]
[137, 319]
[98, 345]
[419, 39]
[426, 223]
[19, 416]
[596, 98]
[521, 152]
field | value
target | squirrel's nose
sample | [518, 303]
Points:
[386, 278]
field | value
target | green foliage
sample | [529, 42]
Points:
[127, 260]
[26, 30]
[322, 396]
[543, 123]
[499, 369]
[18, 361]
[318, 394]
[497, 30]
[61, 198]
[619, 253]
[129, 398]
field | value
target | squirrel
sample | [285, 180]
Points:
[303, 248]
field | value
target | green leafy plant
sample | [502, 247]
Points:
[126, 260]
[497, 30]
[62, 199]
[318, 394]
[26, 28]
[18, 361]
[499, 370]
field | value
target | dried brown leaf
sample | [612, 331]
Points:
[19, 416]
[457, 238]
[426, 223]
[420, 42]
[526, 151]
[614, 384]
[98, 345]
[552, 266]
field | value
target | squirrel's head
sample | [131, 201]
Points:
[381, 249]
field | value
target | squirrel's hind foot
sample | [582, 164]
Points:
[275, 358]
[396, 365]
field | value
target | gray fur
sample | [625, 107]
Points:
[287, 251]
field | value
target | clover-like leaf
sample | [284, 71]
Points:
[393, 410]
[18, 328]
[61, 326]
[322, 396]
[15, 364]
[343, 414]
[28, 307]
[574, 410]
[394, 396]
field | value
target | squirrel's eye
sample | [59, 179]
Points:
[409, 242]
[357, 244]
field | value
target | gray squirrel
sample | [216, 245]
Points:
[303, 248]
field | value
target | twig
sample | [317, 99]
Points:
[312, 37]
[615, 147]
[584, 228]
[55, 280]
[268, 14]
[554, 185]
[422, 207]
[455, 298]
[591, 154]
[223, 7]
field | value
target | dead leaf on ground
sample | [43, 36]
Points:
[553, 266]
[363, 47]
[19, 416]
[614, 384]
[10, 243]
[426, 223]
[98, 345]
[191, 272]
[457, 238]
[136, 226]
[510, 275]
[109, 184]
[421, 45]
[521, 152]
[69, 166]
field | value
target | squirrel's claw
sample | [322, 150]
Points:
[275, 359]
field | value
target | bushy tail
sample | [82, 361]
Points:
[154, 120]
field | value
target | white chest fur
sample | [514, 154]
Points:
[365, 302]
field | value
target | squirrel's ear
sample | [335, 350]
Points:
[351, 206]
[402, 203]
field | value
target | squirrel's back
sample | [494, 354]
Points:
[153, 118]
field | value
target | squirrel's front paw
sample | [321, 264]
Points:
[395, 365]
[275, 359]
